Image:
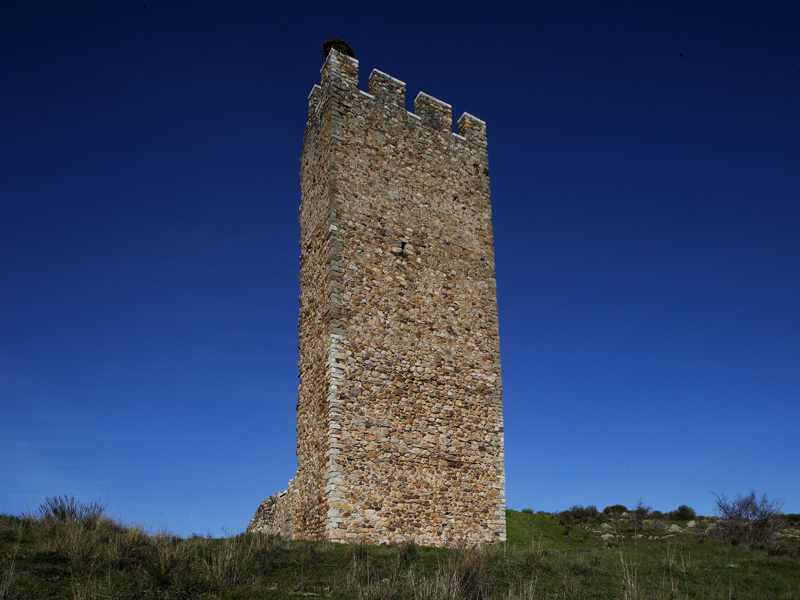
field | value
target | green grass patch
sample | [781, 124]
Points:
[524, 529]
[88, 556]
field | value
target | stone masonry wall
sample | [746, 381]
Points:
[400, 422]
[275, 514]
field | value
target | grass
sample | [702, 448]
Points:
[91, 556]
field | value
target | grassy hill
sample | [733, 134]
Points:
[580, 553]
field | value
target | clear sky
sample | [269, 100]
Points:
[645, 172]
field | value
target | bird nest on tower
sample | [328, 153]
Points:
[340, 45]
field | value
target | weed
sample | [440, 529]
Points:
[308, 553]
[359, 551]
[7, 580]
[628, 578]
[408, 552]
[360, 569]
[467, 571]
[231, 565]
[66, 510]
[534, 557]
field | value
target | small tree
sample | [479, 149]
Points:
[748, 519]
[640, 514]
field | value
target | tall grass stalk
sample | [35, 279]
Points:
[628, 577]
[8, 574]
[231, 565]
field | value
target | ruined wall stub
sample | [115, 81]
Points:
[399, 413]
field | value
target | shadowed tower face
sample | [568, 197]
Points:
[399, 413]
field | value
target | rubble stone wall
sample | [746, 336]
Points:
[400, 421]
[275, 514]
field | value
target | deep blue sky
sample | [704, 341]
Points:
[645, 172]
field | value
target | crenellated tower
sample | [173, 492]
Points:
[399, 412]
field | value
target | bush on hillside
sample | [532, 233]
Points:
[616, 509]
[683, 513]
[580, 514]
[640, 515]
[749, 520]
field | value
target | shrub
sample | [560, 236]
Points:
[527, 511]
[616, 509]
[749, 520]
[684, 513]
[579, 514]
[591, 511]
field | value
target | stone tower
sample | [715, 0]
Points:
[399, 412]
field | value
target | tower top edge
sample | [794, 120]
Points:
[335, 58]
[472, 117]
[427, 97]
[387, 76]
[392, 92]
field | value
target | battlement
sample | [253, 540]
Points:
[339, 75]
[390, 91]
